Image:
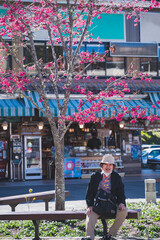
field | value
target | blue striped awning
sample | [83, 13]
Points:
[14, 108]
[72, 106]
[112, 107]
[115, 107]
[155, 98]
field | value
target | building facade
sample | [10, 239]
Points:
[27, 148]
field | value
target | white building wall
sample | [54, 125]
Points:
[150, 27]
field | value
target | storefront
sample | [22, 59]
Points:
[27, 148]
[28, 153]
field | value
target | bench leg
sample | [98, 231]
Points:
[13, 206]
[104, 226]
[36, 225]
[46, 205]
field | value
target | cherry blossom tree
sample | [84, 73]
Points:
[68, 24]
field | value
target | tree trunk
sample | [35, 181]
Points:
[59, 177]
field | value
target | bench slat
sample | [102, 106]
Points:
[56, 215]
[29, 196]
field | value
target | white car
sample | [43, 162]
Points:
[145, 146]
[150, 157]
[145, 153]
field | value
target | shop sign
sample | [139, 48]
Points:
[154, 126]
[133, 126]
[30, 130]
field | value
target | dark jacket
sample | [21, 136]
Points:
[117, 188]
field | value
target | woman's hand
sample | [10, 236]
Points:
[121, 206]
[89, 210]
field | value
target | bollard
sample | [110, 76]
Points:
[150, 190]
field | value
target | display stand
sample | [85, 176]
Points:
[91, 164]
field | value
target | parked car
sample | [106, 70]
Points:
[153, 158]
[145, 153]
[150, 153]
[146, 146]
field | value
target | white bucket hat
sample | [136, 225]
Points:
[107, 158]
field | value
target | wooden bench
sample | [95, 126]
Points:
[56, 216]
[13, 201]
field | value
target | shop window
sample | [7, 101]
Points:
[59, 55]
[40, 50]
[96, 68]
[115, 66]
[44, 52]
[58, 51]
[79, 67]
[149, 66]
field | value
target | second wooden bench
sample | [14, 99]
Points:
[13, 201]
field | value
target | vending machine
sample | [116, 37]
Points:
[33, 157]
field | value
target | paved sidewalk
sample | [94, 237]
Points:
[69, 205]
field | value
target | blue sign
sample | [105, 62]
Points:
[72, 167]
[136, 151]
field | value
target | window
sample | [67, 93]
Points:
[154, 154]
[44, 52]
[149, 66]
[96, 68]
[59, 55]
[115, 66]
[58, 51]
[40, 50]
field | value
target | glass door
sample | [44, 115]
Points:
[33, 157]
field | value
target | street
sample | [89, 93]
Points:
[134, 186]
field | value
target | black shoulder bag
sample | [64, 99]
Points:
[105, 204]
